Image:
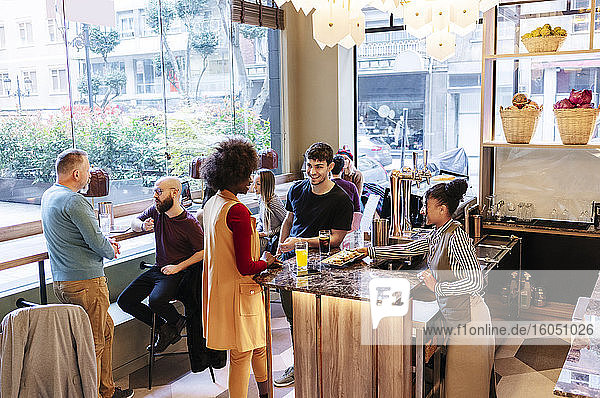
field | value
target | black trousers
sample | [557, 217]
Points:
[160, 289]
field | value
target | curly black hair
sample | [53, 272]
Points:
[449, 194]
[232, 162]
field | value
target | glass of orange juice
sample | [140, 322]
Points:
[302, 258]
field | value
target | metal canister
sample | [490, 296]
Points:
[477, 226]
[380, 233]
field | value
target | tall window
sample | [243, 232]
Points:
[58, 76]
[53, 33]
[2, 38]
[30, 76]
[126, 24]
[3, 76]
[408, 102]
[146, 81]
[128, 133]
[25, 32]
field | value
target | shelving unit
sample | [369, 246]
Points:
[539, 145]
[544, 54]
[490, 58]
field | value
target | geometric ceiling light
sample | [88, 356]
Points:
[464, 14]
[343, 22]
[441, 45]
[417, 18]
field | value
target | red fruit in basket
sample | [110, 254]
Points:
[587, 106]
[580, 97]
[564, 104]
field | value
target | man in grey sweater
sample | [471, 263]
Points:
[76, 248]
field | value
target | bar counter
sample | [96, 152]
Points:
[580, 375]
[336, 351]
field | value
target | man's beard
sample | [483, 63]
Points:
[164, 205]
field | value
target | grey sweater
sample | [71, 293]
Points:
[75, 244]
[48, 351]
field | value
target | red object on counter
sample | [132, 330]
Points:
[195, 165]
[99, 183]
[268, 159]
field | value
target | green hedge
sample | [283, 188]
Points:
[127, 146]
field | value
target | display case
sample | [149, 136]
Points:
[559, 181]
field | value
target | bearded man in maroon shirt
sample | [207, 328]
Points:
[179, 245]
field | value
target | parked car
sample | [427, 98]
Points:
[374, 148]
[373, 171]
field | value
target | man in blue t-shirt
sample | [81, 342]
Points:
[314, 204]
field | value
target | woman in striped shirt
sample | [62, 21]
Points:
[454, 275]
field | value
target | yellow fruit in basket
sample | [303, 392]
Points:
[544, 32]
[526, 36]
[533, 104]
[562, 32]
[536, 33]
[547, 26]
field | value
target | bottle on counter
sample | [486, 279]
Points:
[526, 289]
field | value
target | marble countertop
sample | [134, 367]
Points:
[351, 282]
[580, 375]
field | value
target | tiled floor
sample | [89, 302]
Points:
[172, 376]
[524, 370]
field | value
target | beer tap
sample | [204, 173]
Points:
[401, 183]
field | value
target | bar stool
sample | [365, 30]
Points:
[153, 355]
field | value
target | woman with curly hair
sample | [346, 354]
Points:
[233, 304]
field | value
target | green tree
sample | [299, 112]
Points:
[103, 43]
[205, 44]
[193, 15]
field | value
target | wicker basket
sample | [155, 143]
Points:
[543, 44]
[576, 126]
[519, 124]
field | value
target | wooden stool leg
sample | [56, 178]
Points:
[212, 374]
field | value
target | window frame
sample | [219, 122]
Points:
[2, 36]
[58, 91]
[28, 30]
[34, 82]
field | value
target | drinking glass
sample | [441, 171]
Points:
[521, 211]
[528, 211]
[510, 206]
[301, 258]
[104, 220]
[324, 242]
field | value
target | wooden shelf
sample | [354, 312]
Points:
[492, 144]
[541, 230]
[544, 54]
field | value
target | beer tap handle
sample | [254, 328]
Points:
[415, 159]
[425, 158]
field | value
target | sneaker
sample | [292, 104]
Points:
[120, 393]
[287, 379]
